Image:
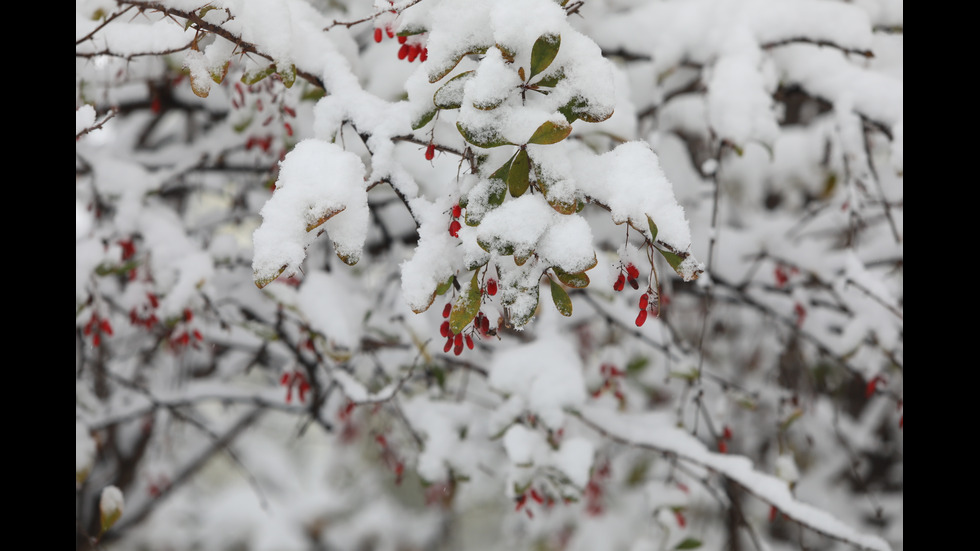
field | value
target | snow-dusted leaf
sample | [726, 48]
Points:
[562, 301]
[518, 175]
[543, 53]
[550, 132]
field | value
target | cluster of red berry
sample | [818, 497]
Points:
[724, 439]
[521, 501]
[183, 338]
[455, 226]
[409, 52]
[612, 376]
[144, 315]
[390, 458]
[96, 327]
[593, 490]
[630, 273]
[295, 380]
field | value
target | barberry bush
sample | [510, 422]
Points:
[494, 274]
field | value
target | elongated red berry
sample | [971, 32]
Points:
[454, 228]
[722, 446]
[726, 433]
[492, 287]
[634, 283]
[632, 271]
[457, 211]
[389, 32]
[377, 34]
[444, 329]
[485, 325]
[644, 301]
[403, 51]
[459, 344]
[413, 52]
[641, 318]
[402, 39]
[449, 344]
[620, 282]
[424, 55]
[446, 310]
[469, 342]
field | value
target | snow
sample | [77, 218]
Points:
[111, 501]
[317, 179]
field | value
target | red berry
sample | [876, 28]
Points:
[634, 284]
[424, 55]
[105, 327]
[413, 52]
[620, 281]
[492, 287]
[444, 329]
[485, 325]
[644, 302]
[289, 128]
[449, 344]
[632, 271]
[447, 310]
[389, 32]
[722, 446]
[781, 277]
[403, 51]
[377, 34]
[430, 152]
[641, 318]
[402, 39]
[469, 342]
[536, 496]
[681, 521]
[773, 511]
[457, 211]
[726, 433]
[96, 340]
[458, 344]
[454, 228]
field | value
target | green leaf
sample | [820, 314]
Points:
[551, 80]
[578, 108]
[689, 543]
[673, 259]
[521, 318]
[577, 280]
[543, 52]
[450, 95]
[521, 258]
[448, 68]
[288, 76]
[467, 305]
[251, 77]
[518, 177]
[445, 285]
[561, 298]
[424, 119]
[550, 132]
[485, 138]
[653, 229]
[498, 192]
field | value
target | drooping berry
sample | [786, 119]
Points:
[644, 301]
[634, 283]
[485, 325]
[632, 271]
[454, 228]
[620, 282]
[457, 211]
[726, 433]
[641, 318]
[492, 287]
[459, 344]
[413, 52]
[449, 344]
[424, 55]
[403, 51]
[469, 342]
[446, 310]
[722, 446]
[444, 329]
[389, 32]
[377, 34]
[402, 39]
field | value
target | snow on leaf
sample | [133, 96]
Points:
[316, 178]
